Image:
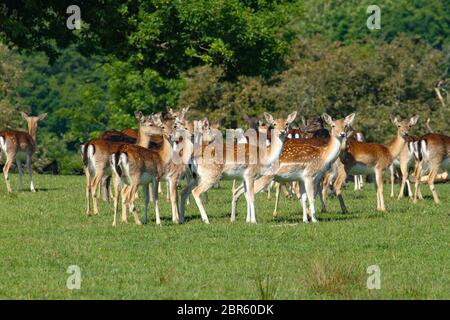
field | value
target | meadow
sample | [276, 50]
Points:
[42, 234]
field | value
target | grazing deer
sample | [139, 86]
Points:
[20, 146]
[305, 160]
[210, 171]
[434, 154]
[367, 158]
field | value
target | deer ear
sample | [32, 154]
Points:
[413, 120]
[24, 115]
[268, 117]
[42, 116]
[139, 116]
[303, 120]
[349, 119]
[394, 120]
[327, 118]
[291, 117]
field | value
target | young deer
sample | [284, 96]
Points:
[20, 146]
[209, 171]
[305, 160]
[366, 158]
[434, 154]
[135, 165]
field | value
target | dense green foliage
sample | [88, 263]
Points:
[224, 58]
[42, 234]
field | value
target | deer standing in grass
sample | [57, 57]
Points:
[305, 161]
[434, 154]
[367, 158]
[20, 146]
[209, 171]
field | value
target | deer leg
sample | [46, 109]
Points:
[391, 169]
[19, 168]
[277, 198]
[309, 187]
[185, 195]
[355, 178]
[124, 194]
[95, 182]
[155, 201]
[6, 168]
[131, 195]
[303, 199]
[379, 183]
[88, 191]
[116, 183]
[417, 175]
[168, 194]
[30, 173]
[404, 171]
[146, 190]
[172, 183]
[250, 184]
[340, 179]
[431, 177]
[202, 187]
[361, 182]
[236, 194]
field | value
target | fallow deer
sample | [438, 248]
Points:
[20, 146]
[434, 154]
[366, 158]
[306, 161]
[210, 171]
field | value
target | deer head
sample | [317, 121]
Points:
[404, 126]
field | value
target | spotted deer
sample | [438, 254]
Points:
[306, 161]
[210, 171]
[97, 152]
[20, 146]
[366, 158]
[434, 154]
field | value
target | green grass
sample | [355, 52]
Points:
[42, 234]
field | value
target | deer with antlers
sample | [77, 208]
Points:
[305, 161]
[20, 146]
[247, 168]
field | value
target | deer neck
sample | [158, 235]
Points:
[143, 139]
[332, 150]
[396, 146]
[274, 148]
[32, 129]
[165, 152]
[188, 149]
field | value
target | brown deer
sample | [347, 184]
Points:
[97, 152]
[366, 158]
[305, 160]
[232, 166]
[135, 165]
[434, 154]
[20, 146]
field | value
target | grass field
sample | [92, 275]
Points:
[42, 234]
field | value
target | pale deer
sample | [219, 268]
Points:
[20, 146]
[367, 158]
[305, 160]
[434, 154]
[232, 166]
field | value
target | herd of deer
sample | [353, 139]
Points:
[307, 160]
